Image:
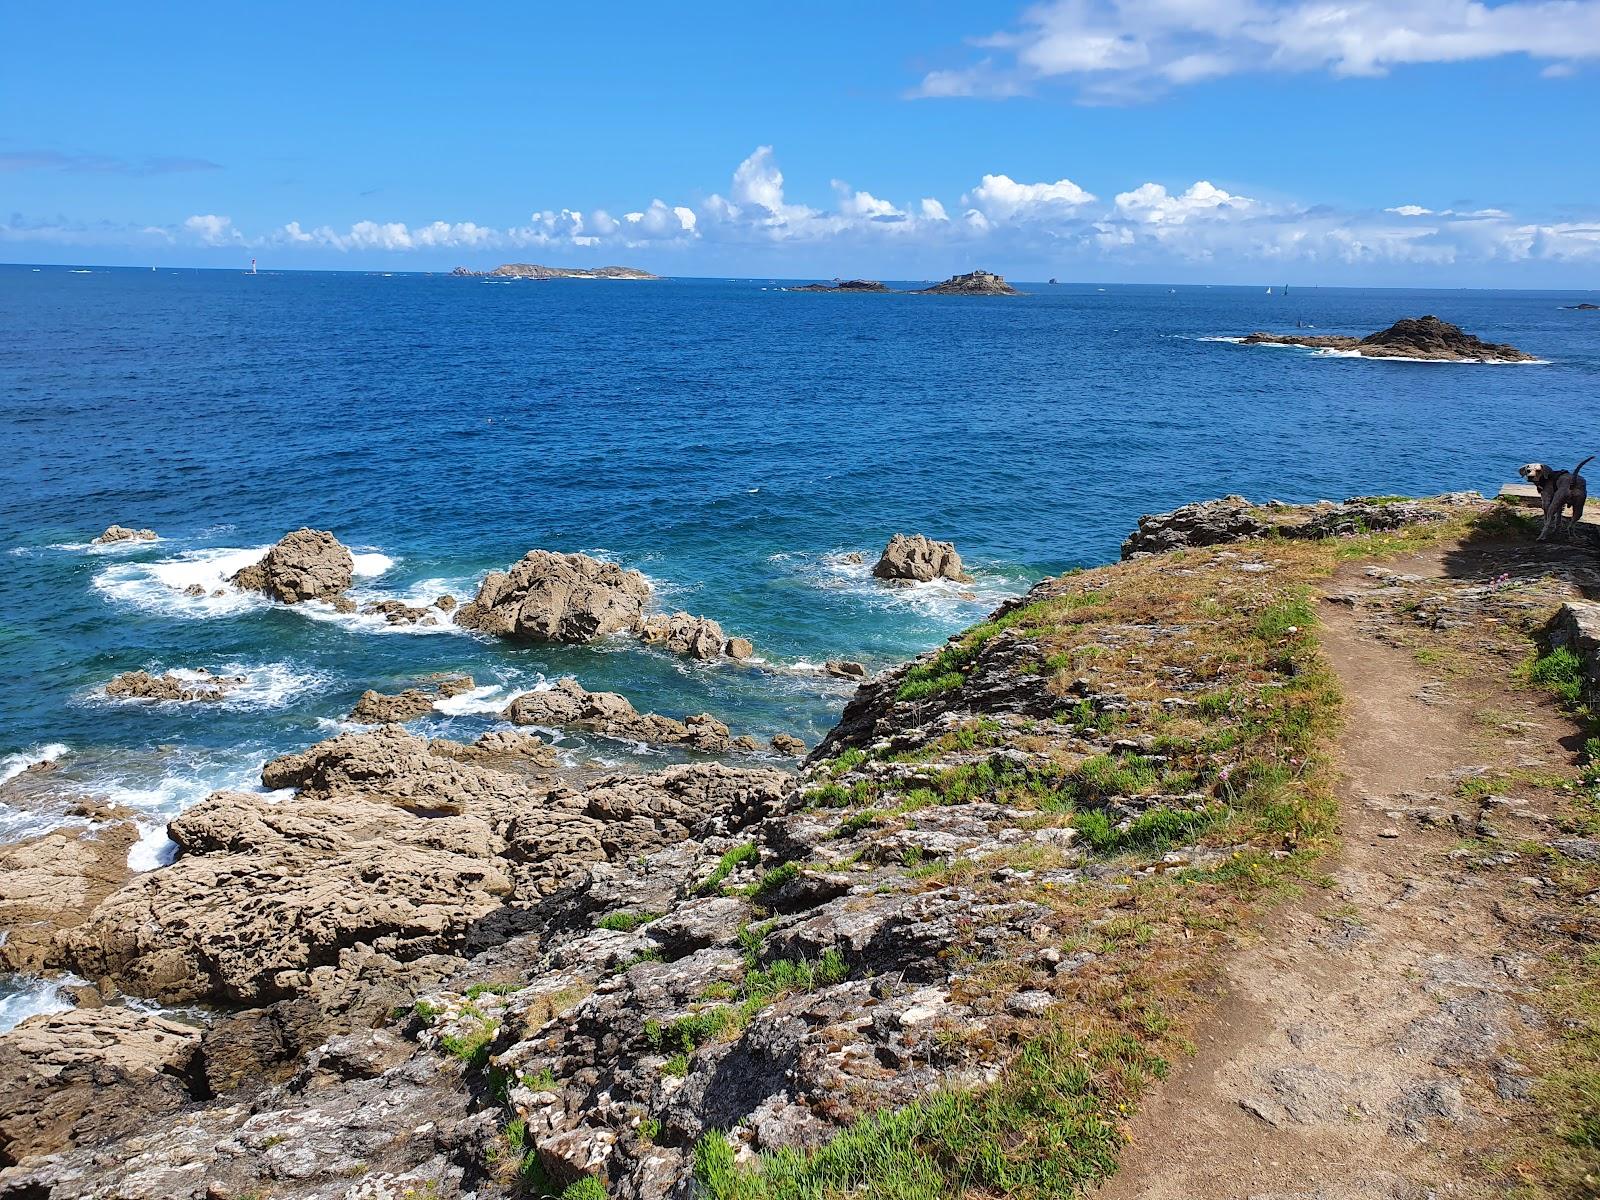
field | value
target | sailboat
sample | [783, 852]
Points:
[1269, 291]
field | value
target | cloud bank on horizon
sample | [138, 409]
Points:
[1124, 51]
[998, 217]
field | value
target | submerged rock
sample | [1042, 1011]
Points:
[697, 637]
[843, 285]
[1410, 337]
[844, 668]
[121, 533]
[194, 685]
[550, 597]
[569, 705]
[920, 559]
[308, 564]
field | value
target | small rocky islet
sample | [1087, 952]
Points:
[1427, 338]
[973, 283]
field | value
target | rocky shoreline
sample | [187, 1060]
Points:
[437, 969]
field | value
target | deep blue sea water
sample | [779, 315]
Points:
[728, 438]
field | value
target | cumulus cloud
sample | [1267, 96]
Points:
[212, 230]
[1121, 50]
[999, 219]
[999, 197]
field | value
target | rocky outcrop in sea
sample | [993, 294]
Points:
[116, 534]
[974, 283]
[550, 597]
[308, 564]
[1410, 337]
[918, 559]
[843, 285]
[187, 686]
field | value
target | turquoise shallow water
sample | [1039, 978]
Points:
[729, 439]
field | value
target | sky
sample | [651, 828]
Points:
[1364, 142]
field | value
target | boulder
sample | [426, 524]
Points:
[739, 649]
[87, 1075]
[193, 685]
[549, 597]
[379, 708]
[308, 564]
[569, 705]
[1577, 627]
[919, 559]
[787, 743]
[697, 637]
[844, 668]
[121, 533]
[398, 612]
[1209, 523]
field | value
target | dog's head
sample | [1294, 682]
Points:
[1535, 473]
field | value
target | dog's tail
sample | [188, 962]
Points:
[1583, 464]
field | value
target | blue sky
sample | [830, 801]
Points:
[1400, 142]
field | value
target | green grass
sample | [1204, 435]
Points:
[775, 879]
[587, 1188]
[1559, 671]
[1048, 1128]
[625, 922]
[1152, 832]
[472, 1047]
[492, 989]
[760, 987]
[711, 885]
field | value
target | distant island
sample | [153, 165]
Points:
[974, 283]
[844, 285]
[1584, 307]
[537, 271]
[1410, 337]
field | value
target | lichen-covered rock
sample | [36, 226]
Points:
[920, 559]
[189, 685]
[121, 533]
[1235, 519]
[569, 705]
[1208, 523]
[550, 597]
[308, 564]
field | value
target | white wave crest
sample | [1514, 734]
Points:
[266, 685]
[23, 997]
[13, 765]
[488, 701]
[163, 586]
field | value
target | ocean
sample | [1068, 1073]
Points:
[733, 441]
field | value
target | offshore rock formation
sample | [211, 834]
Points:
[550, 597]
[379, 708]
[843, 285]
[121, 533]
[1410, 337]
[537, 271]
[1235, 519]
[568, 705]
[192, 685]
[974, 283]
[696, 637]
[919, 559]
[308, 564]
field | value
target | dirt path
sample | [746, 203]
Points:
[1356, 1049]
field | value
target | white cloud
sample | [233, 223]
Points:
[1150, 202]
[1001, 197]
[1120, 50]
[212, 230]
[999, 220]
